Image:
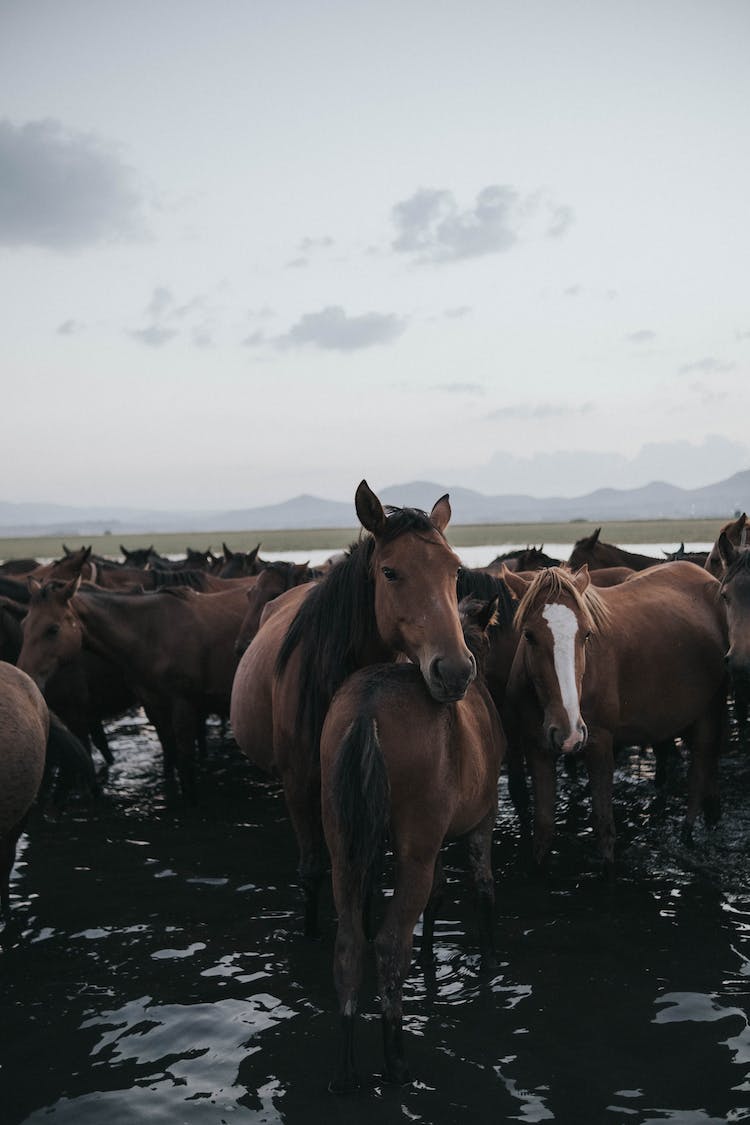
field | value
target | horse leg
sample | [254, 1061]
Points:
[348, 959]
[302, 792]
[430, 913]
[600, 761]
[544, 778]
[185, 724]
[705, 739]
[480, 865]
[667, 757]
[393, 949]
[98, 737]
[518, 790]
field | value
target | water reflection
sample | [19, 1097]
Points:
[158, 974]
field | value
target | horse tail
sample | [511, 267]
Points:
[361, 797]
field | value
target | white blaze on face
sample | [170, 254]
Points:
[563, 626]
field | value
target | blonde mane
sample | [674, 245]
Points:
[555, 582]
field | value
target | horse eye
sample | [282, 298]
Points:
[529, 636]
[389, 574]
[52, 630]
[587, 636]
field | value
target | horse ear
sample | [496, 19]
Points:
[369, 509]
[595, 537]
[70, 588]
[252, 555]
[516, 583]
[227, 553]
[582, 578]
[301, 569]
[487, 614]
[727, 550]
[35, 586]
[441, 513]
[86, 553]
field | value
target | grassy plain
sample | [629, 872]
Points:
[466, 535]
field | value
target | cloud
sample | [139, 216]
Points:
[528, 411]
[460, 388]
[69, 328]
[161, 301]
[64, 190]
[642, 336]
[573, 291]
[332, 330]
[309, 244]
[155, 335]
[457, 313]
[708, 365]
[431, 225]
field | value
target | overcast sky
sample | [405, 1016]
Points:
[253, 248]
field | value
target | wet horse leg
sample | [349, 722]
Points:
[185, 724]
[544, 779]
[430, 913]
[600, 762]
[705, 738]
[348, 960]
[393, 950]
[480, 865]
[302, 792]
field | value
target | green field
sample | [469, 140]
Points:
[469, 535]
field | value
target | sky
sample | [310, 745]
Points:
[256, 248]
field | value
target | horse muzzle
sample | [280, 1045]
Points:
[448, 679]
[570, 744]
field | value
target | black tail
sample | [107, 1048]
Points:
[361, 794]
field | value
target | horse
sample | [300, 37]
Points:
[275, 579]
[697, 557]
[525, 558]
[174, 647]
[591, 552]
[734, 591]
[237, 564]
[394, 592]
[636, 663]
[736, 533]
[396, 762]
[24, 729]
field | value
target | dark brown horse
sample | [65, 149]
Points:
[637, 663]
[397, 763]
[24, 728]
[734, 590]
[274, 580]
[525, 558]
[736, 533]
[175, 647]
[394, 592]
[591, 552]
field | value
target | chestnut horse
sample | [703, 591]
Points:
[591, 552]
[734, 590]
[24, 728]
[396, 762]
[276, 579]
[636, 663]
[394, 592]
[176, 648]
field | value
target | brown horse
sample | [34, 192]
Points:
[394, 592]
[734, 590]
[525, 558]
[637, 663]
[736, 534]
[396, 762]
[24, 727]
[175, 647]
[276, 579]
[591, 552]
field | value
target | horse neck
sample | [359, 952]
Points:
[113, 624]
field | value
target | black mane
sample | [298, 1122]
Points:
[335, 626]
[482, 586]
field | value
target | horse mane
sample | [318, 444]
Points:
[195, 579]
[555, 582]
[335, 625]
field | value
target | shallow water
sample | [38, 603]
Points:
[158, 973]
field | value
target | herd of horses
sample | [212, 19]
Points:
[386, 691]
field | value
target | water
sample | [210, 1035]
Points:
[159, 973]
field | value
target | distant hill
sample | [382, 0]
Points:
[654, 501]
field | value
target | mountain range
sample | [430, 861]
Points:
[657, 500]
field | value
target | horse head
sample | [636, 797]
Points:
[414, 570]
[52, 634]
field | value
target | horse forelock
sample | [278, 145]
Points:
[551, 585]
[400, 520]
